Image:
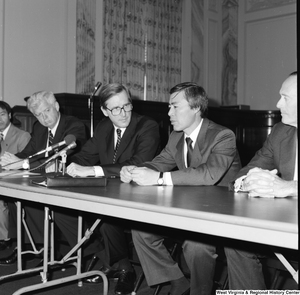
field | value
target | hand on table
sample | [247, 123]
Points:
[266, 183]
[140, 175]
[81, 171]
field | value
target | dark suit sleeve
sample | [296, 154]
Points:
[142, 142]
[265, 157]
[144, 148]
[218, 159]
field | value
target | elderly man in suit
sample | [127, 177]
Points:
[199, 152]
[272, 172]
[123, 138]
[13, 140]
[50, 128]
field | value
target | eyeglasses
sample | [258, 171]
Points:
[117, 111]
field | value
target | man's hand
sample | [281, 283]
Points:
[81, 171]
[144, 176]
[265, 183]
[125, 173]
[8, 158]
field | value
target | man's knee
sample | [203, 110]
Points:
[197, 249]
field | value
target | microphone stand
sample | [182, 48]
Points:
[91, 106]
[63, 162]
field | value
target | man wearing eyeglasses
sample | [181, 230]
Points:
[123, 138]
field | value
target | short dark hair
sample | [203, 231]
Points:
[5, 106]
[194, 94]
[109, 90]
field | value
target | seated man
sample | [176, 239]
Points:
[123, 138]
[272, 172]
[13, 140]
[45, 108]
[205, 154]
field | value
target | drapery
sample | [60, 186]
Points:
[85, 46]
[142, 46]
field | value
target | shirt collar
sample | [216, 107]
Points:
[193, 136]
[122, 130]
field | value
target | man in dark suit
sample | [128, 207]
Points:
[123, 138]
[13, 140]
[45, 108]
[205, 154]
[272, 172]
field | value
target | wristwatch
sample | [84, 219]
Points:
[25, 164]
[160, 180]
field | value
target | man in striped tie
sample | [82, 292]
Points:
[44, 106]
[123, 138]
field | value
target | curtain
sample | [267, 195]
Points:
[85, 46]
[142, 46]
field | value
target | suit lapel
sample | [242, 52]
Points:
[8, 138]
[200, 143]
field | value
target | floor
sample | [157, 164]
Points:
[8, 287]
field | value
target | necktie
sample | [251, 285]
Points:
[189, 151]
[1, 138]
[50, 139]
[117, 145]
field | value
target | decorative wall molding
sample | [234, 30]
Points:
[254, 5]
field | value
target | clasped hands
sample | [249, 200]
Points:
[140, 175]
[266, 183]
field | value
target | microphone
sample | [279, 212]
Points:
[67, 140]
[61, 152]
[97, 86]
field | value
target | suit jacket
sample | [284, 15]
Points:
[39, 138]
[278, 152]
[139, 143]
[215, 159]
[15, 140]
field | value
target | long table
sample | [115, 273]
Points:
[210, 210]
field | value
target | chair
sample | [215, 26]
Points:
[276, 273]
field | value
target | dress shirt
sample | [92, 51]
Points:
[53, 131]
[193, 136]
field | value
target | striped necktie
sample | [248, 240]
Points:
[1, 139]
[117, 145]
[189, 151]
[50, 138]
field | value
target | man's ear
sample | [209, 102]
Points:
[197, 110]
[104, 111]
[56, 106]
